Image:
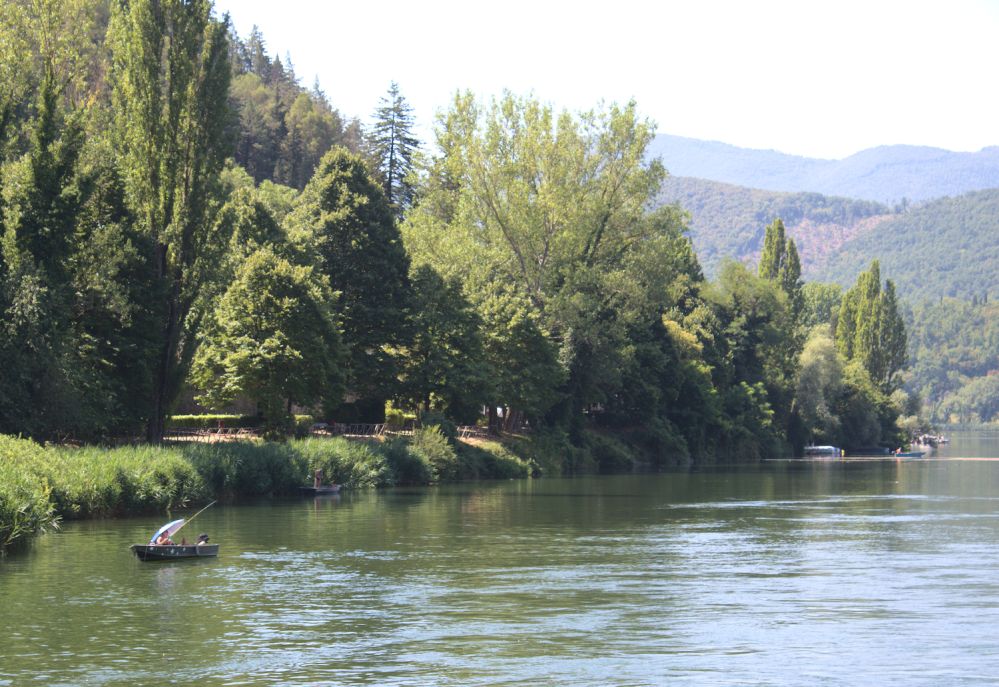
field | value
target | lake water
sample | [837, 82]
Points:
[788, 573]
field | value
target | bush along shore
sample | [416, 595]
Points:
[42, 485]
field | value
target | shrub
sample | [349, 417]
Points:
[433, 418]
[430, 445]
[396, 417]
[250, 469]
[407, 467]
[25, 506]
[92, 482]
[609, 454]
[491, 460]
[353, 464]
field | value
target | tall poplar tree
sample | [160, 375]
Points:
[171, 76]
[779, 263]
[393, 146]
[870, 328]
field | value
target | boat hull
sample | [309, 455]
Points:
[153, 552]
[320, 491]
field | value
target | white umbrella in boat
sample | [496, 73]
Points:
[167, 529]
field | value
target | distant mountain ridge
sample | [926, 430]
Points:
[887, 174]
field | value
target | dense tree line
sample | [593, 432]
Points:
[144, 254]
[955, 348]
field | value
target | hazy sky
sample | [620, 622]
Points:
[823, 78]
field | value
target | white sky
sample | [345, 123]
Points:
[822, 79]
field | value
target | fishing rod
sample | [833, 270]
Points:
[194, 516]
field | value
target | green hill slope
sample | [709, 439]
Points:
[729, 221]
[947, 248]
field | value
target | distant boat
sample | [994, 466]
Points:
[173, 552]
[831, 451]
[321, 491]
[910, 454]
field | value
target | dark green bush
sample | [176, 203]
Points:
[407, 467]
[491, 460]
[354, 464]
[435, 419]
[431, 446]
[610, 454]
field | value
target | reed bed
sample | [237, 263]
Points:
[39, 485]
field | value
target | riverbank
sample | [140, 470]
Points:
[41, 485]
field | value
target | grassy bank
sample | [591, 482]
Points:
[41, 485]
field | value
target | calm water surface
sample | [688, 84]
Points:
[787, 573]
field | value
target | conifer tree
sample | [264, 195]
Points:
[392, 146]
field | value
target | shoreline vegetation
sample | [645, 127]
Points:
[40, 486]
[155, 258]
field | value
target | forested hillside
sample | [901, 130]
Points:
[947, 248]
[954, 346]
[728, 221]
[888, 174]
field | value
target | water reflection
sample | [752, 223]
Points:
[783, 574]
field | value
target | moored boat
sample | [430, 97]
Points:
[827, 451]
[321, 490]
[171, 552]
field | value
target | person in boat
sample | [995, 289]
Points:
[164, 540]
[317, 479]
[202, 539]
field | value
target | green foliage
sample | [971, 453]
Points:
[943, 249]
[392, 146]
[609, 454]
[283, 130]
[819, 386]
[172, 143]
[442, 366]
[211, 421]
[975, 402]
[350, 463]
[491, 460]
[248, 469]
[953, 344]
[408, 467]
[431, 446]
[870, 329]
[343, 218]
[820, 304]
[96, 482]
[273, 339]
[26, 508]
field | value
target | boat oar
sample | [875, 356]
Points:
[194, 516]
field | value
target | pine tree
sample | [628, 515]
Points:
[393, 146]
